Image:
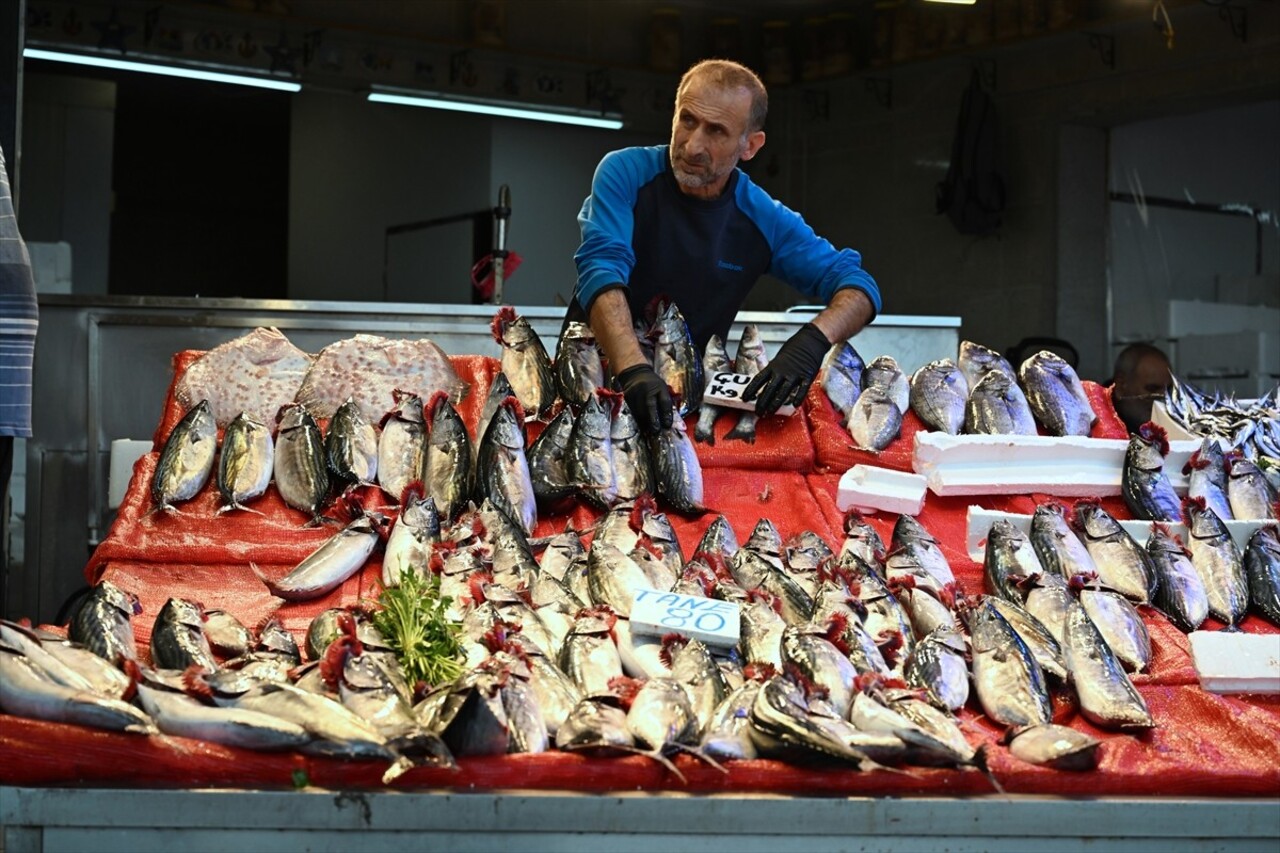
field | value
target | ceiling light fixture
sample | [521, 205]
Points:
[156, 68]
[502, 109]
[955, 2]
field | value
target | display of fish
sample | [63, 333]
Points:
[1123, 564]
[1252, 427]
[1218, 561]
[589, 460]
[26, 691]
[1057, 545]
[1120, 625]
[1107, 697]
[186, 461]
[750, 359]
[590, 655]
[841, 377]
[1055, 746]
[874, 420]
[402, 445]
[246, 462]
[632, 467]
[549, 462]
[1010, 564]
[1250, 494]
[181, 715]
[369, 369]
[1181, 593]
[256, 373]
[1037, 638]
[177, 637]
[715, 359]
[327, 567]
[102, 622]
[502, 469]
[675, 358]
[1006, 677]
[883, 372]
[1056, 397]
[938, 395]
[997, 406]
[300, 466]
[937, 666]
[1206, 472]
[1262, 565]
[578, 369]
[728, 736]
[447, 474]
[351, 446]
[975, 361]
[410, 543]
[499, 390]
[676, 469]
[597, 724]
[1143, 482]
[525, 362]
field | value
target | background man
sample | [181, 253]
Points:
[1141, 376]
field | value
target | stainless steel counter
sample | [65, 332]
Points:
[104, 364]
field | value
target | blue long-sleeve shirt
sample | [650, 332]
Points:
[640, 232]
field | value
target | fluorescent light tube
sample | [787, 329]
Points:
[954, 2]
[166, 70]
[584, 119]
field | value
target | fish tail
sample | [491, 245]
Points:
[745, 429]
[980, 762]
[699, 753]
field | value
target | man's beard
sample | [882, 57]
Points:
[696, 180]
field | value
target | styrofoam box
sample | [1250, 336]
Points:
[1071, 466]
[1235, 662]
[978, 522]
[866, 487]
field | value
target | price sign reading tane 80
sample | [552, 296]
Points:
[710, 620]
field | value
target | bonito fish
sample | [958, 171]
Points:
[676, 468]
[325, 569]
[524, 361]
[301, 472]
[632, 468]
[1123, 565]
[351, 446]
[578, 369]
[1056, 397]
[102, 622]
[502, 469]
[1262, 565]
[1249, 492]
[1218, 561]
[1181, 594]
[177, 638]
[186, 460]
[246, 463]
[184, 716]
[448, 462]
[25, 691]
[590, 457]
[1206, 472]
[1107, 696]
[402, 445]
[409, 546]
[549, 461]
[1146, 488]
[675, 358]
[1009, 682]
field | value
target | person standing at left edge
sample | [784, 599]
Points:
[682, 220]
[18, 322]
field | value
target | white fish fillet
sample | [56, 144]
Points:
[256, 373]
[370, 368]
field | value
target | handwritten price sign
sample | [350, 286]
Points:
[725, 388]
[714, 622]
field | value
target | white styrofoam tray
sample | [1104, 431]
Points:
[1235, 662]
[867, 487]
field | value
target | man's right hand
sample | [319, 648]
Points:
[648, 397]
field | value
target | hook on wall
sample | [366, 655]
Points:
[1105, 45]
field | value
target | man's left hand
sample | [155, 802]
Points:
[786, 379]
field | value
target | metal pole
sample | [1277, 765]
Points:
[501, 214]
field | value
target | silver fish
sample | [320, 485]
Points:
[412, 537]
[1249, 492]
[579, 371]
[715, 359]
[509, 552]
[590, 655]
[718, 539]
[1056, 397]
[975, 361]
[101, 623]
[883, 372]
[842, 377]
[549, 461]
[676, 468]
[937, 666]
[1146, 488]
[596, 724]
[334, 729]
[911, 540]
[372, 686]
[938, 395]
[875, 420]
[402, 446]
[560, 553]
[187, 458]
[762, 629]
[693, 667]
[1107, 696]
[728, 735]
[1057, 545]
[1219, 563]
[749, 361]
[1010, 563]
[632, 468]
[499, 390]
[997, 406]
[862, 539]
[66, 662]
[554, 692]
[1009, 683]
[1206, 472]
[226, 635]
[469, 713]
[1262, 565]
[1181, 594]
[184, 716]
[807, 648]
[1055, 746]
[447, 474]
[502, 469]
[590, 457]
[1120, 625]
[301, 473]
[25, 691]
[751, 570]
[177, 638]
[1037, 638]
[324, 569]
[661, 720]
[1048, 600]
[614, 577]
[524, 362]
[351, 446]
[785, 725]
[246, 462]
[1123, 565]
[874, 716]
[675, 358]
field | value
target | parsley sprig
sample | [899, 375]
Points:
[412, 618]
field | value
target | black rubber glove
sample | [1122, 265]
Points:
[648, 397]
[786, 379]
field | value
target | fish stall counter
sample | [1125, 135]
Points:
[103, 363]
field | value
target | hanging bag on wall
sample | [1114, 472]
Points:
[972, 193]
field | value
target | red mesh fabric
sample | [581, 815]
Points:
[1108, 424]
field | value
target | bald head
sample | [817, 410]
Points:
[1142, 375]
